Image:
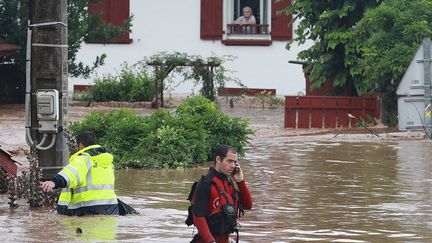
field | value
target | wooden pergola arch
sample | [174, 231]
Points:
[163, 69]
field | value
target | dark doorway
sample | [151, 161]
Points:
[12, 85]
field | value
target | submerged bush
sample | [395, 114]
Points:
[266, 99]
[27, 186]
[185, 137]
[221, 128]
[4, 181]
[119, 130]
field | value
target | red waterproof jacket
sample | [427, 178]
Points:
[208, 203]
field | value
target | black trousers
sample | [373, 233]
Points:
[92, 210]
[116, 209]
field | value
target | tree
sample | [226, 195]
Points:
[13, 25]
[330, 24]
[369, 43]
[385, 41]
[13, 28]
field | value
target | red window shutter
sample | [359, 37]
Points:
[211, 19]
[101, 7]
[119, 12]
[115, 12]
[281, 24]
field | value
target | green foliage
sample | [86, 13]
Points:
[132, 84]
[208, 72]
[369, 43]
[269, 100]
[221, 128]
[386, 39]
[82, 96]
[331, 25]
[170, 143]
[119, 130]
[101, 32]
[164, 139]
[13, 29]
[81, 26]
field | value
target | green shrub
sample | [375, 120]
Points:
[82, 96]
[168, 143]
[117, 130]
[130, 85]
[185, 137]
[167, 147]
[221, 128]
[266, 99]
[105, 89]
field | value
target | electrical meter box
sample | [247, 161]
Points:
[47, 110]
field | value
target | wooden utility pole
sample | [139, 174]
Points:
[49, 70]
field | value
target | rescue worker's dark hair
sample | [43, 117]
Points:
[223, 150]
[86, 138]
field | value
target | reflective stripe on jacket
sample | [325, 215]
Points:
[90, 180]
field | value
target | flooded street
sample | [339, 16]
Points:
[323, 191]
[305, 188]
[341, 192]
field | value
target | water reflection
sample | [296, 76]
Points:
[312, 191]
[329, 191]
[90, 229]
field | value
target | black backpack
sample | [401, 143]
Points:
[189, 219]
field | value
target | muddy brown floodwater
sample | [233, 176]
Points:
[304, 188]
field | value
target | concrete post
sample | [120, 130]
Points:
[49, 70]
[427, 86]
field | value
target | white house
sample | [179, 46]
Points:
[203, 27]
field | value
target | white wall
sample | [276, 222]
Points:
[173, 25]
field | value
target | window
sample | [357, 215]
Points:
[247, 20]
[109, 18]
[222, 19]
[259, 9]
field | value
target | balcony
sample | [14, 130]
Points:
[248, 29]
[247, 34]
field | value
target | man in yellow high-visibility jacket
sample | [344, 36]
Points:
[87, 181]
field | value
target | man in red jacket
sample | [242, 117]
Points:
[219, 198]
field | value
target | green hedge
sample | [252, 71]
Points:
[130, 85]
[183, 138]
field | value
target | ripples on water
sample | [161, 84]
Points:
[303, 192]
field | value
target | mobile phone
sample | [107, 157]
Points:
[235, 170]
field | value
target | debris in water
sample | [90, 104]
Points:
[27, 186]
[4, 182]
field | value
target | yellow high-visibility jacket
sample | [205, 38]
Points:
[90, 179]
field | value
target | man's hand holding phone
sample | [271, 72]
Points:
[237, 173]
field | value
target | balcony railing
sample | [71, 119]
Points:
[248, 29]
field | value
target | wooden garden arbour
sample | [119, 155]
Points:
[205, 70]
